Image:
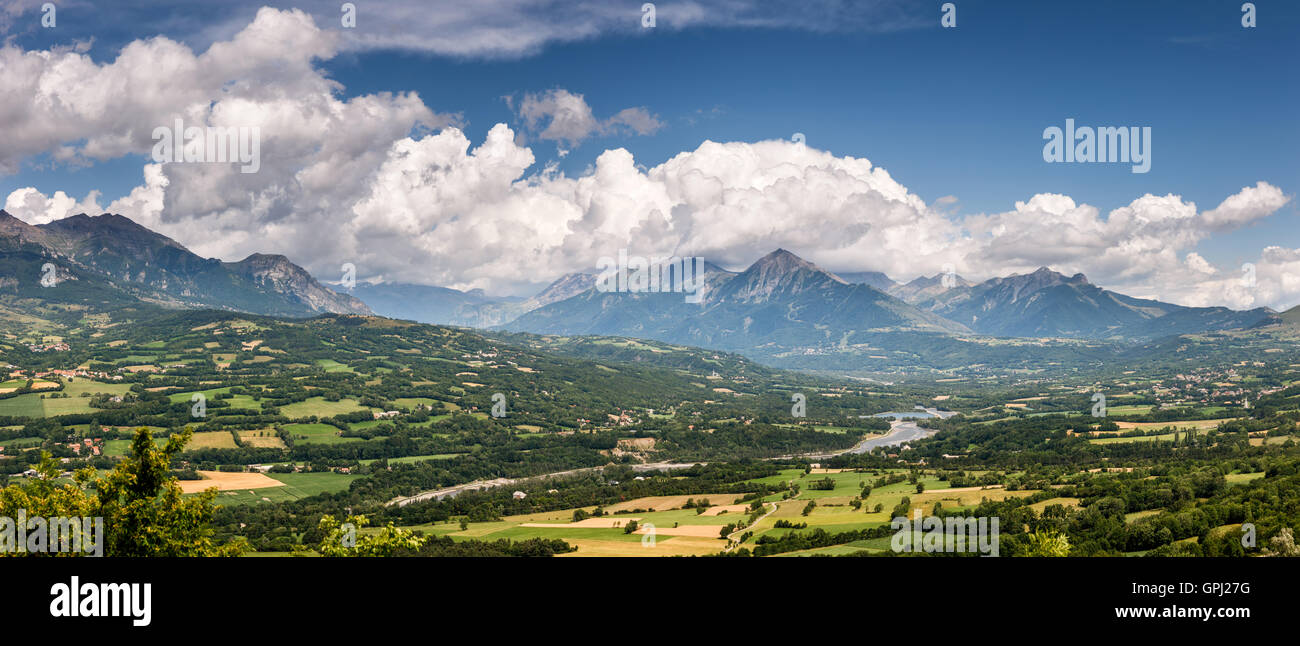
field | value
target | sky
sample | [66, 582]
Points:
[500, 144]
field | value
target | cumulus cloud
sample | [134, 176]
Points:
[564, 117]
[32, 207]
[388, 184]
[1246, 206]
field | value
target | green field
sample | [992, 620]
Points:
[42, 405]
[317, 434]
[29, 405]
[235, 401]
[119, 448]
[319, 407]
[296, 486]
[331, 365]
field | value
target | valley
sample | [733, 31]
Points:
[597, 423]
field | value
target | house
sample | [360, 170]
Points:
[386, 414]
[519, 495]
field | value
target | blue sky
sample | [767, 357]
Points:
[948, 112]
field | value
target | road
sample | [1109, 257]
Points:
[477, 485]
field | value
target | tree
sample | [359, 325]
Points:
[1282, 545]
[1045, 543]
[343, 541]
[630, 527]
[144, 513]
[143, 510]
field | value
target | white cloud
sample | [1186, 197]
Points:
[386, 183]
[1246, 206]
[31, 206]
[564, 117]
[483, 28]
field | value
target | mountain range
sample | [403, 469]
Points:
[784, 303]
[120, 261]
[473, 308]
[1045, 303]
[780, 306]
[781, 301]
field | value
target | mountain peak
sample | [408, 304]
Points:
[266, 260]
[1042, 278]
[782, 262]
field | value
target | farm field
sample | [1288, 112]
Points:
[276, 487]
[316, 433]
[680, 531]
[224, 481]
[1199, 424]
[119, 448]
[212, 440]
[1163, 437]
[29, 405]
[234, 401]
[262, 439]
[319, 407]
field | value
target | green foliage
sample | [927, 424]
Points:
[342, 539]
[143, 510]
[1044, 543]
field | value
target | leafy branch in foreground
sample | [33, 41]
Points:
[143, 510]
[343, 541]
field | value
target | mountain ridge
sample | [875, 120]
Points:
[155, 268]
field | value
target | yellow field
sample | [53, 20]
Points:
[587, 523]
[672, 546]
[228, 481]
[725, 509]
[661, 503]
[699, 531]
[1199, 424]
[267, 441]
[1068, 502]
[211, 440]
